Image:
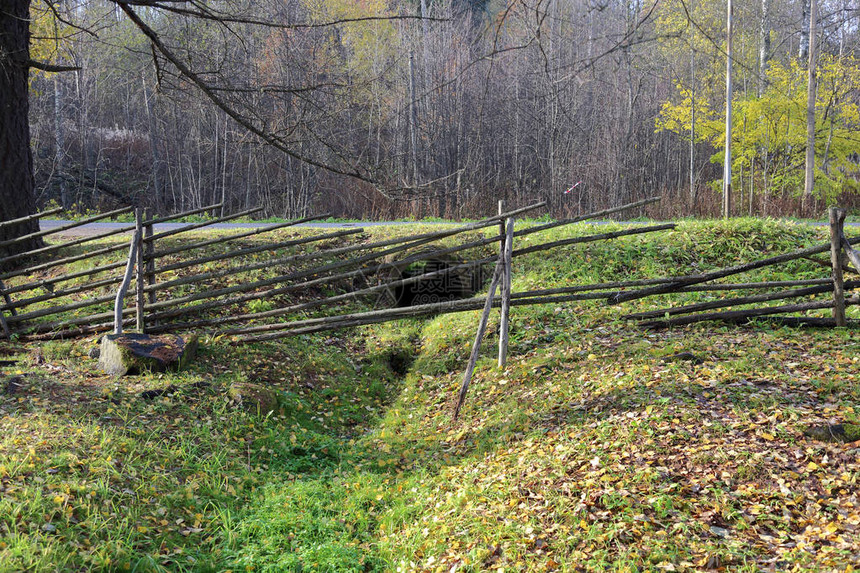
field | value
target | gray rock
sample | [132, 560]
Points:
[122, 354]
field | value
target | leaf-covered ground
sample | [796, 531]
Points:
[601, 447]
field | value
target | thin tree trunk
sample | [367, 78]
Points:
[153, 148]
[764, 47]
[810, 108]
[803, 50]
[413, 120]
[60, 141]
[727, 170]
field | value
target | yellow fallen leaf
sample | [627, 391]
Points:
[811, 466]
[768, 437]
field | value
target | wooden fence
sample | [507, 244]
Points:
[177, 290]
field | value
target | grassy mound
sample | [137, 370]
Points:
[599, 447]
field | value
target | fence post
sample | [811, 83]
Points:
[476, 346]
[123, 287]
[837, 219]
[504, 326]
[149, 249]
[139, 264]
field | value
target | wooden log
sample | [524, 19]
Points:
[258, 231]
[29, 218]
[435, 253]
[194, 226]
[800, 321]
[22, 303]
[693, 288]
[63, 261]
[249, 250]
[685, 281]
[72, 243]
[123, 287]
[852, 255]
[738, 301]
[62, 308]
[220, 273]
[80, 223]
[476, 346]
[47, 283]
[52, 327]
[87, 329]
[504, 324]
[415, 241]
[591, 238]
[733, 315]
[586, 217]
[150, 221]
[754, 286]
[277, 331]
[837, 220]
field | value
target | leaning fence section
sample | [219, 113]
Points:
[69, 287]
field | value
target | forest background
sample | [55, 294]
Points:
[383, 108]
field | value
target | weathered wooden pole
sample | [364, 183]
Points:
[139, 270]
[476, 346]
[837, 220]
[504, 325]
[123, 287]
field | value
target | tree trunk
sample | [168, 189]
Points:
[763, 46]
[692, 115]
[809, 175]
[803, 50]
[16, 176]
[60, 141]
[727, 168]
[154, 149]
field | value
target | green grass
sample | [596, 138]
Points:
[593, 450]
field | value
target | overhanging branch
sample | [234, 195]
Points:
[45, 67]
[209, 92]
